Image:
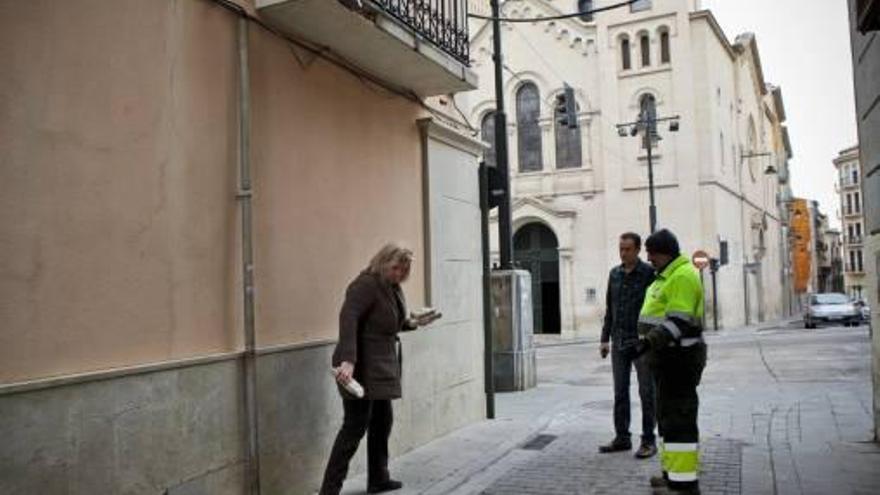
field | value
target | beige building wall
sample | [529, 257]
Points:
[337, 174]
[119, 225]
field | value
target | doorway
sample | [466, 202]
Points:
[536, 249]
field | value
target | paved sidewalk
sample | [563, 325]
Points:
[784, 411]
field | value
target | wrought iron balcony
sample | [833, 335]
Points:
[418, 45]
[442, 22]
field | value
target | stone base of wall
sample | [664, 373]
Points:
[177, 428]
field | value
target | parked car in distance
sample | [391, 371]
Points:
[833, 308]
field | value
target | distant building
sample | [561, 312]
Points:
[827, 273]
[852, 218]
[802, 245]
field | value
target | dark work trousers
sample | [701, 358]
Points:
[677, 373]
[373, 417]
[622, 362]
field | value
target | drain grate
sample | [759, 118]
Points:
[538, 442]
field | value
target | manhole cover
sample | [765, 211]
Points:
[538, 442]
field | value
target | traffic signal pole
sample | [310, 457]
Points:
[505, 235]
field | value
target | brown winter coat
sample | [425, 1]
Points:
[372, 315]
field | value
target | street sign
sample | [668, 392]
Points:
[700, 259]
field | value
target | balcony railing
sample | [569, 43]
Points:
[442, 22]
[847, 182]
[415, 45]
[854, 269]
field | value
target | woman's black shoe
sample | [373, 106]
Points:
[385, 486]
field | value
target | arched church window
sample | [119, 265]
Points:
[625, 53]
[487, 134]
[528, 111]
[645, 49]
[585, 7]
[640, 5]
[648, 112]
[665, 55]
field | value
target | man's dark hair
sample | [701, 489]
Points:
[637, 240]
[663, 242]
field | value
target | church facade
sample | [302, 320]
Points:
[720, 173]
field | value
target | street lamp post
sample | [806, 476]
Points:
[647, 125]
[652, 208]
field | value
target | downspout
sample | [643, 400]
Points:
[244, 196]
[742, 232]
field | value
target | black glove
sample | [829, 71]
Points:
[659, 338]
[641, 348]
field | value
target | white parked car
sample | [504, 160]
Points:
[833, 308]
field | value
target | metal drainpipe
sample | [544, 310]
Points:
[247, 258]
[742, 231]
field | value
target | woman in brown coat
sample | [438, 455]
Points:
[373, 313]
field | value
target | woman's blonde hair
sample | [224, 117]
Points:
[389, 254]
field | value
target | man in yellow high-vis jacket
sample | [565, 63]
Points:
[670, 329]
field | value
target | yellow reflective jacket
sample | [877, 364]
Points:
[674, 302]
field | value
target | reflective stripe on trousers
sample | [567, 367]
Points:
[680, 461]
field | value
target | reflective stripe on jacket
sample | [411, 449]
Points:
[674, 302]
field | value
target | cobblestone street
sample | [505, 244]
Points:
[783, 411]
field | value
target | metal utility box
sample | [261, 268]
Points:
[513, 343]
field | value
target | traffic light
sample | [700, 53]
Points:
[496, 189]
[566, 108]
[723, 253]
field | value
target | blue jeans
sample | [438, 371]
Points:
[622, 362]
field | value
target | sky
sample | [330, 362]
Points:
[804, 47]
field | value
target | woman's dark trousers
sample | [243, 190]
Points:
[373, 417]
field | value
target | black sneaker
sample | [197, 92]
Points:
[616, 445]
[385, 486]
[659, 481]
[646, 450]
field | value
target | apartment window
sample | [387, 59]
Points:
[625, 53]
[855, 175]
[585, 7]
[487, 133]
[851, 231]
[859, 266]
[568, 144]
[849, 204]
[859, 230]
[852, 261]
[645, 49]
[665, 57]
[857, 202]
[640, 5]
[528, 111]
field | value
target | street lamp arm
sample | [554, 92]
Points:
[643, 121]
